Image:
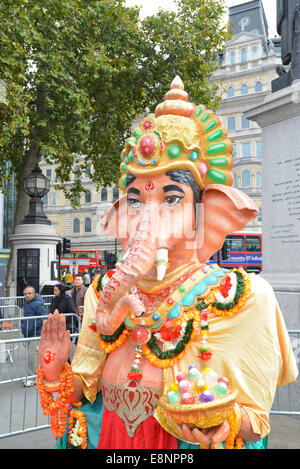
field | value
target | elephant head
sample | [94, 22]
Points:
[178, 203]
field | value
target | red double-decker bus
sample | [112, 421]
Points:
[241, 249]
[79, 260]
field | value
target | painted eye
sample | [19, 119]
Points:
[171, 200]
[134, 203]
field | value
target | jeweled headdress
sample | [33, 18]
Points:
[179, 135]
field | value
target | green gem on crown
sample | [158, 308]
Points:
[174, 151]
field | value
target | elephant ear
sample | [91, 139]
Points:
[225, 210]
[114, 221]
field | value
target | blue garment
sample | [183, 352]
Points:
[74, 296]
[35, 307]
[93, 414]
[261, 444]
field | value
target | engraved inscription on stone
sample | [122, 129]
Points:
[286, 201]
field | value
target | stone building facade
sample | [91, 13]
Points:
[82, 224]
[248, 66]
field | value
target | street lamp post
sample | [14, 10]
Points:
[34, 240]
[36, 185]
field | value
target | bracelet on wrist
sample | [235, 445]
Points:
[56, 409]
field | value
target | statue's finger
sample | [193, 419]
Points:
[201, 437]
[67, 342]
[188, 435]
[222, 433]
[44, 331]
[61, 327]
[54, 327]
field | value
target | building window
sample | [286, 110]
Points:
[259, 149]
[115, 194]
[76, 225]
[258, 87]
[53, 199]
[49, 174]
[243, 55]
[255, 52]
[231, 124]
[236, 181]
[88, 225]
[76, 174]
[87, 197]
[230, 92]
[88, 172]
[245, 123]
[259, 218]
[234, 150]
[232, 58]
[244, 89]
[45, 199]
[246, 179]
[246, 150]
[103, 194]
[258, 180]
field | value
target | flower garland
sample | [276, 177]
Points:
[77, 436]
[205, 353]
[170, 332]
[169, 357]
[109, 343]
[233, 441]
[96, 284]
[237, 294]
[57, 410]
[134, 372]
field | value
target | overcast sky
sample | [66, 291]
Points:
[150, 7]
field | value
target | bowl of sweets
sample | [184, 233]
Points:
[199, 399]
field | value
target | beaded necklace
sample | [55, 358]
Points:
[180, 317]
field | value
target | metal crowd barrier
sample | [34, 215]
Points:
[20, 410]
[13, 306]
[287, 398]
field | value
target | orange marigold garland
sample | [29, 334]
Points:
[233, 441]
[232, 306]
[108, 346]
[166, 359]
[56, 409]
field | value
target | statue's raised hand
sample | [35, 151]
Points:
[55, 345]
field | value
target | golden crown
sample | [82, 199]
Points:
[179, 135]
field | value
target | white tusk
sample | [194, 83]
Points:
[162, 263]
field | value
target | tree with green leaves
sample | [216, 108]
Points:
[79, 72]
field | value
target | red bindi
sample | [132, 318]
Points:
[149, 186]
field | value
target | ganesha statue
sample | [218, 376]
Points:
[173, 352]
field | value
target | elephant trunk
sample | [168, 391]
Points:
[138, 262]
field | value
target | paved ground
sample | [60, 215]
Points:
[285, 434]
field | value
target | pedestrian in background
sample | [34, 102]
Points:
[34, 305]
[78, 293]
[68, 278]
[64, 304]
[92, 273]
[86, 278]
